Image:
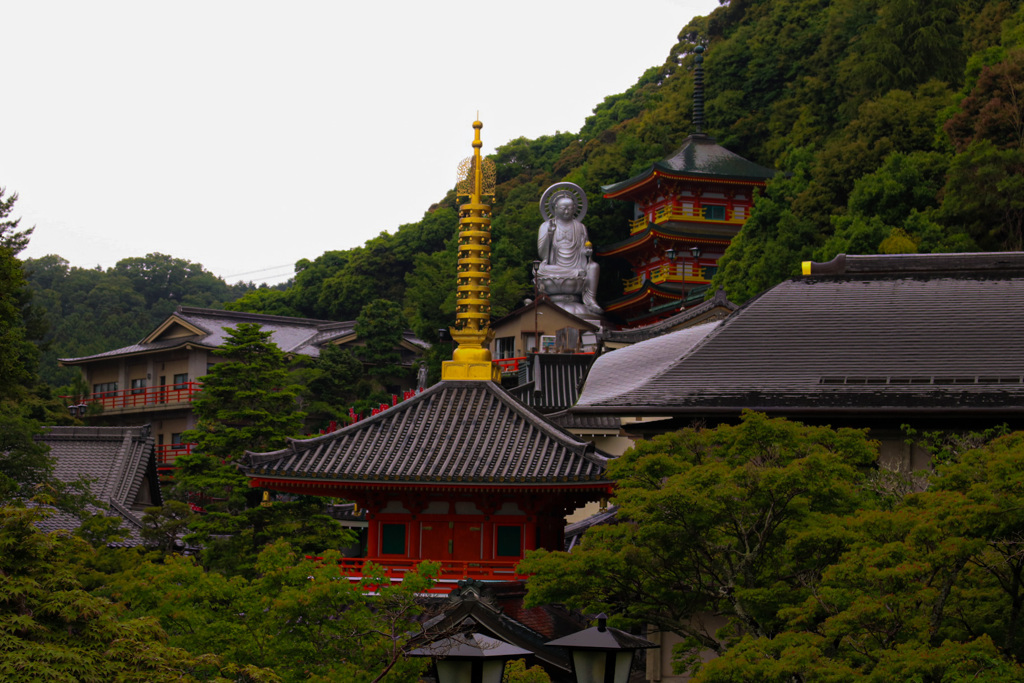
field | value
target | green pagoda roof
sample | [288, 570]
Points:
[699, 156]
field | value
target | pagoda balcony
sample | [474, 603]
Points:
[451, 571]
[668, 273]
[142, 399]
[694, 214]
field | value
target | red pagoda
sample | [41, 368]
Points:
[462, 473]
[688, 207]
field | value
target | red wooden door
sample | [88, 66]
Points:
[468, 541]
[436, 541]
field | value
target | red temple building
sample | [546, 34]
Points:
[462, 473]
[688, 207]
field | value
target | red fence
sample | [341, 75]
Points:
[167, 394]
[452, 571]
[509, 364]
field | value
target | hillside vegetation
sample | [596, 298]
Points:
[897, 123]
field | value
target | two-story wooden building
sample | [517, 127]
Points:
[153, 381]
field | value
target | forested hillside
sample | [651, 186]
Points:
[897, 124]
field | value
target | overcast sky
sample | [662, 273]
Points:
[247, 135]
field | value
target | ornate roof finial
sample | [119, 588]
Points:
[472, 331]
[698, 90]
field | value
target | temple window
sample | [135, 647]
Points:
[509, 541]
[392, 539]
[505, 347]
[713, 213]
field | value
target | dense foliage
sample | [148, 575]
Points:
[777, 547]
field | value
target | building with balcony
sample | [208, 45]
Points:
[154, 381]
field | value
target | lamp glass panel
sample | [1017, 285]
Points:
[590, 666]
[623, 661]
[494, 671]
[454, 671]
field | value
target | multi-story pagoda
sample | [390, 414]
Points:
[462, 473]
[688, 207]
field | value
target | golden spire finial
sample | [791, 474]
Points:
[472, 331]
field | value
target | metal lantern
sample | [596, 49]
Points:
[470, 658]
[601, 654]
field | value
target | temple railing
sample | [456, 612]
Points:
[166, 454]
[146, 397]
[675, 212]
[451, 572]
[666, 273]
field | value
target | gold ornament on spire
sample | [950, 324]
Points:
[472, 331]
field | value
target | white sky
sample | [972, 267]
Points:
[245, 135]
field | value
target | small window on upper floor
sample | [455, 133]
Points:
[139, 385]
[713, 213]
[505, 347]
[180, 380]
[104, 389]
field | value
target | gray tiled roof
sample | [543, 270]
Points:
[892, 335]
[117, 459]
[303, 336]
[624, 371]
[465, 431]
[557, 378]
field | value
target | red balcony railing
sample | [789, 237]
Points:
[509, 364]
[452, 571]
[168, 394]
[166, 455]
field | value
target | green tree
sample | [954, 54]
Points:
[245, 403]
[736, 521]
[929, 590]
[300, 617]
[53, 630]
[381, 326]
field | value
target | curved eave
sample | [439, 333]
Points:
[283, 483]
[795, 408]
[638, 184]
[652, 232]
[645, 292]
[112, 355]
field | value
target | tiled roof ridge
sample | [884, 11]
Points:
[584, 449]
[295, 444]
[126, 513]
[881, 264]
[90, 432]
[241, 315]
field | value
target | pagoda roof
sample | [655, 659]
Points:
[638, 334]
[469, 434]
[692, 233]
[663, 290]
[918, 334]
[699, 158]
